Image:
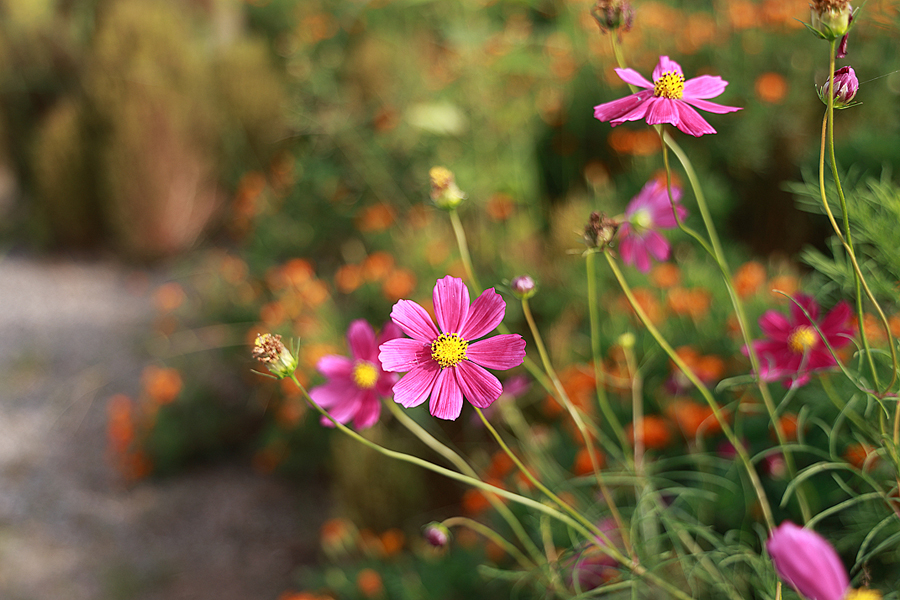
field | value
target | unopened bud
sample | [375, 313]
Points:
[437, 535]
[444, 192]
[613, 14]
[845, 87]
[270, 351]
[600, 230]
[523, 287]
[831, 19]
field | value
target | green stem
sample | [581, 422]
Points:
[460, 234]
[719, 256]
[848, 235]
[464, 467]
[599, 376]
[587, 533]
[704, 391]
[579, 423]
[492, 535]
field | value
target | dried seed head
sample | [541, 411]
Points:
[613, 15]
[600, 230]
[269, 350]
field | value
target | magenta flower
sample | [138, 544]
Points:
[794, 348]
[355, 384]
[447, 364]
[669, 99]
[648, 211]
[807, 562]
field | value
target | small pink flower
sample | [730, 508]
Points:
[355, 384]
[794, 348]
[807, 562]
[669, 99]
[648, 211]
[446, 364]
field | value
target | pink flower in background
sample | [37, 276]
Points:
[355, 384]
[793, 348]
[647, 212]
[807, 562]
[669, 99]
[447, 364]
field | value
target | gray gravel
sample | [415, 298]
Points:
[69, 526]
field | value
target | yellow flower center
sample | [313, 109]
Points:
[802, 339]
[642, 220]
[863, 595]
[365, 375]
[448, 349]
[670, 85]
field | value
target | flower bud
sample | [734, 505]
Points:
[613, 14]
[270, 350]
[807, 562]
[523, 287]
[600, 230]
[831, 19]
[437, 535]
[845, 87]
[444, 192]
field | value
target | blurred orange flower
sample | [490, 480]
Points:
[348, 278]
[655, 432]
[161, 385]
[692, 303]
[500, 206]
[376, 217]
[369, 583]
[377, 265]
[665, 275]
[392, 541]
[692, 418]
[857, 454]
[582, 464]
[749, 278]
[771, 88]
[168, 297]
[399, 284]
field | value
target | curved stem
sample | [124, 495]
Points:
[492, 535]
[460, 234]
[719, 256]
[704, 391]
[464, 467]
[579, 423]
[599, 377]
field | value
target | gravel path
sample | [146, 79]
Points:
[69, 528]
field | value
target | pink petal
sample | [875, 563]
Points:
[634, 78]
[451, 303]
[368, 413]
[663, 217]
[485, 314]
[634, 253]
[498, 352]
[361, 339]
[836, 323]
[404, 354]
[719, 109]
[385, 385]
[446, 397]
[806, 561]
[610, 111]
[691, 122]
[390, 331]
[656, 245]
[333, 392]
[335, 366]
[662, 110]
[666, 65]
[704, 86]
[345, 410]
[414, 321]
[414, 387]
[637, 113]
[809, 304]
[478, 386]
[775, 325]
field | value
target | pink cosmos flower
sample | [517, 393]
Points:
[807, 562]
[648, 211]
[446, 363]
[669, 99]
[794, 348]
[355, 384]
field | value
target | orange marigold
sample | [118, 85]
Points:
[655, 432]
[749, 278]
